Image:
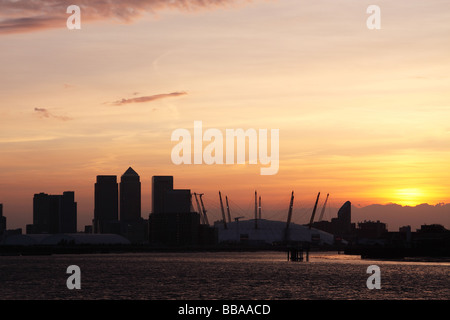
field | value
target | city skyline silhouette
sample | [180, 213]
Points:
[406, 215]
[362, 113]
[235, 153]
[174, 221]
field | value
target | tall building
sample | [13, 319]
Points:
[68, 213]
[166, 199]
[54, 213]
[171, 222]
[160, 186]
[174, 229]
[130, 196]
[41, 213]
[341, 226]
[345, 218]
[2, 221]
[106, 207]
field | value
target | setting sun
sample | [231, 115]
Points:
[409, 196]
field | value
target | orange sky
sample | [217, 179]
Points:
[363, 114]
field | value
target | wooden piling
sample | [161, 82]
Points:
[295, 254]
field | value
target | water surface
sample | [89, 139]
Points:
[219, 275]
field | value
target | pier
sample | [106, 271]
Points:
[296, 254]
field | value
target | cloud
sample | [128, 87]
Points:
[68, 86]
[26, 24]
[149, 98]
[18, 16]
[44, 113]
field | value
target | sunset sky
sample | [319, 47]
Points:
[363, 114]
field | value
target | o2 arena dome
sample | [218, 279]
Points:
[262, 231]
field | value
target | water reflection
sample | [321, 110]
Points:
[224, 275]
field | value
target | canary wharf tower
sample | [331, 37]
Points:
[130, 196]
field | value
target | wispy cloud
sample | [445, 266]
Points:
[68, 86]
[26, 24]
[27, 16]
[44, 113]
[149, 98]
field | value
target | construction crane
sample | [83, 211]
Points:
[228, 209]
[223, 211]
[202, 219]
[291, 205]
[314, 211]
[323, 208]
[205, 217]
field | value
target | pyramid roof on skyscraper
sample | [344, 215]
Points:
[130, 172]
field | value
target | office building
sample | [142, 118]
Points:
[68, 213]
[106, 206]
[130, 196]
[54, 213]
[132, 226]
[174, 229]
[172, 223]
[371, 229]
[160, 186]
[344, 218]
[166, 199]
[342, 227]
[41, 214]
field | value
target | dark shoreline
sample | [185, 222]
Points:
[96, 249]
[396, 253]
[366, 253]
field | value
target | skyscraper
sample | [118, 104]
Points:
[160, 186]
[68, 213]
[130, 196]
[341, 226]
[106, 207]
[41, 213]
[345, 217]
[54, 213]
[171, 221]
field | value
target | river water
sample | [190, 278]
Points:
[219, 276]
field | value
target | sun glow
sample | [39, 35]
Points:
[409, 196]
